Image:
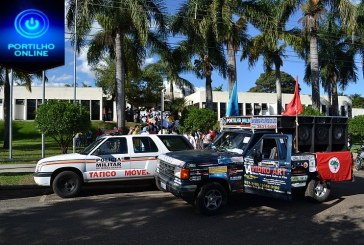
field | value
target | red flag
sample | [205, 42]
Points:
[294, 107]
[335, 166]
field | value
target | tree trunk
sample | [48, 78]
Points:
[314, 71]
[231, 66]
[335, 102]
[6, 109]
[209, 103]
[120, 81]
[171, 91]
[278, 89]
[329, 95]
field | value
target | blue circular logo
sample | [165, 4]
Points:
[31, 23]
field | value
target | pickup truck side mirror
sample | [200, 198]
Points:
[257, 156]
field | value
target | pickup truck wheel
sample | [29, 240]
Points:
[317, 190]
[211, 198]
[67, 184]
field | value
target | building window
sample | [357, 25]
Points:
[1, 101]
[257, 109]
[248, 109]
[342, 110]
[31, 108]
[240, 106]
[214, 107]
[95, 110]
[19, 102]
[222, 109]
[350, 114]
[264, 107]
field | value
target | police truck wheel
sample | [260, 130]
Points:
[67, 184]
[211, 198]
[317, 190]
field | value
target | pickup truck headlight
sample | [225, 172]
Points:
[182, 173]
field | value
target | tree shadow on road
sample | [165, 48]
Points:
[154, 217]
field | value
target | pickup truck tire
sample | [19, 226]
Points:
[317, 190]
[211, 198]
[67, 184]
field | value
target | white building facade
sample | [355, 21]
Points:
[25, 103]
[262, 103]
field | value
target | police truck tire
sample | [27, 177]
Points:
[317, 190]
[67, 184]
[211, 198]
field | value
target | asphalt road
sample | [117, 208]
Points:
[142, 215]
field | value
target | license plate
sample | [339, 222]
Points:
[163, 185]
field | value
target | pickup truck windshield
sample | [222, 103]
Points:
[89, 148]
[231, 141]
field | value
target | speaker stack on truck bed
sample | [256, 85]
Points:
[317, 133]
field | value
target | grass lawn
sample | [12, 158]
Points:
[27, 148]
[27, 142]
[16, 179]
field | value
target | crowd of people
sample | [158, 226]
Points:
[150, 121]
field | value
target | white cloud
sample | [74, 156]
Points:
[63, 77]
[148, 61]
[356, 2]
[84, 67]
[57, 84]
[200, 89]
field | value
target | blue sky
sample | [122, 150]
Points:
[246, 77]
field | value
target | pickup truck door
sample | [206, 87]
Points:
[143, 161]
[112, 160]
[267, 166]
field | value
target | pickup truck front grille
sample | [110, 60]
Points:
[166, 169]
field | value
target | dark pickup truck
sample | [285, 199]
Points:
[259, 158]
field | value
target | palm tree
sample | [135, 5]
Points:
[336, 59]
[313, 12]
[201, 43]
[171, 64]
[230, 31]
[126, 20]
[272, 41]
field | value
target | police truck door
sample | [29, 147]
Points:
[112, 160]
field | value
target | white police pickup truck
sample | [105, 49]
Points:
[110, 158]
